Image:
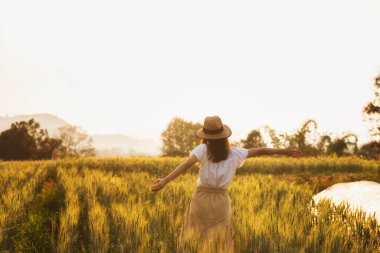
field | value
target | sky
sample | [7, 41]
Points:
[129, 67]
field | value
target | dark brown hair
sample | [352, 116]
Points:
[218, 149]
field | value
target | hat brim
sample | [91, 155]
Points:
[226, 133]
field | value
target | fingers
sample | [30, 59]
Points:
[156, 189]
[157, 181]
[156, 186]
[296, 153]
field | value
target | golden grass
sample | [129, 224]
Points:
[107, 206]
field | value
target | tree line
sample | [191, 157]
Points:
[26, 140]
[179, 136]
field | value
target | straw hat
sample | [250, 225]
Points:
[213, 128]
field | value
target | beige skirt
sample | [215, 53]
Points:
[208, 223]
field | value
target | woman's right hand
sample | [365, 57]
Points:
[289, 151]
[158, 184]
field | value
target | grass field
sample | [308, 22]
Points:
[105, 205]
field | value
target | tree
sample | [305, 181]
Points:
[25, 140]
[343, 146]
[17, 144]
[75, 142]
[372, 112]
[302, 138]
[337, 147]
[275, 140]
[179, 137]
[323, 143]
[253, 140]
[370, 150]
[47, 147]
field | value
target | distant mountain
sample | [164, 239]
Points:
[118, 143]
[48, 121]
[105, 144]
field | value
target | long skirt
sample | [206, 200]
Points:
[208, 225]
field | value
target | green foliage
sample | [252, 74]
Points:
[25, 140]
[179, 137]
[305, 139]
[253, 140]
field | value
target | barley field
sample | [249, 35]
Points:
[105, 205]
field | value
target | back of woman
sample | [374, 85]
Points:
[218, 162]
[209, 211]
[208, 217]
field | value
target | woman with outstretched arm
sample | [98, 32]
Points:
[209, 212]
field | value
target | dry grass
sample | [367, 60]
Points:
[106, 206]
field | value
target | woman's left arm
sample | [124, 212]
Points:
[158, 184]
[274, 151]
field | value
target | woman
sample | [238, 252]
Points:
[209, 213]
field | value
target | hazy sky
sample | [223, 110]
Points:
[130, 66]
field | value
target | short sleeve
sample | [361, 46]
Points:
[241, 155]
[199, 151]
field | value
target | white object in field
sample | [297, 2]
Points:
[363, 195]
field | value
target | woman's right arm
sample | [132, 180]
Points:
[274, 151]
[161, 182]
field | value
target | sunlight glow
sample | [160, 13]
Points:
[130, 66]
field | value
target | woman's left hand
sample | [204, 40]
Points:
[293, 152]
[158, 184]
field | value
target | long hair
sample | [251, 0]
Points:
[218, 149]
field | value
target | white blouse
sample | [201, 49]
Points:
[218, 174]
